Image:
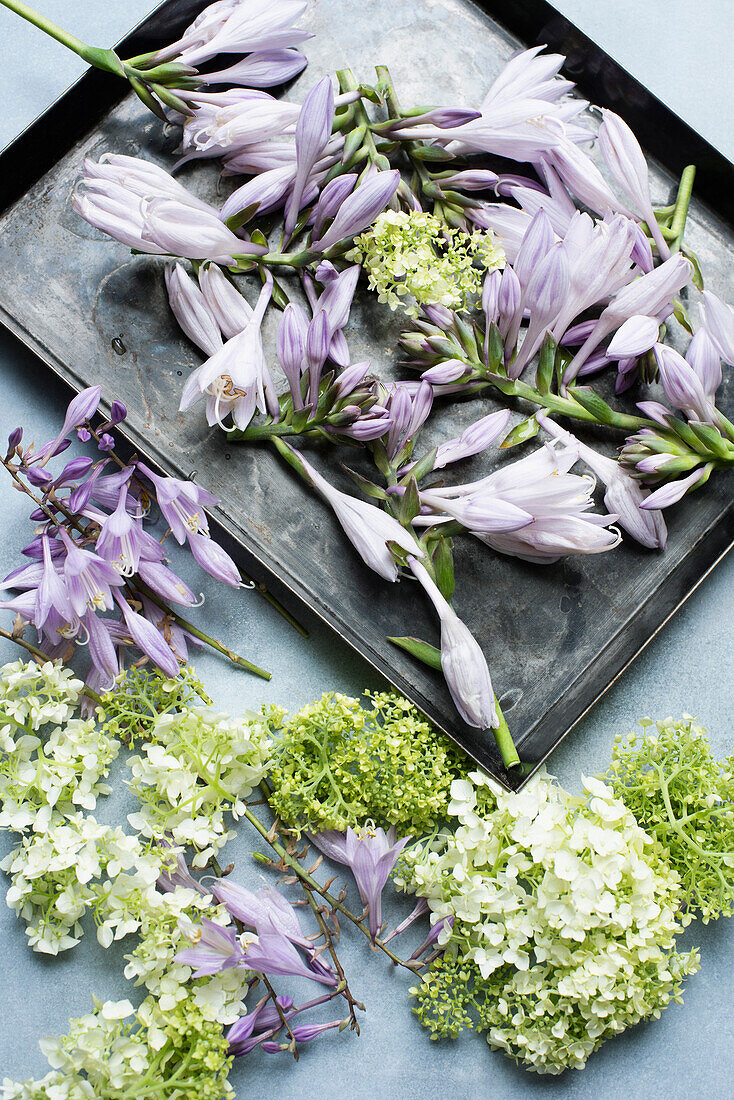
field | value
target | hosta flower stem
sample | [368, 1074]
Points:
[93, 55]
[313, 884]
[235, 658]
[682, 202]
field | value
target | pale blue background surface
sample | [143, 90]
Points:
[684, 56]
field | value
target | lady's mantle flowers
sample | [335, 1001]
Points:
[412, 255]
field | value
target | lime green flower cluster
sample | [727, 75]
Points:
[116, 1053]
[141, 696]
[684, 799]
[414, 259]
[564, 921]
[339, 764]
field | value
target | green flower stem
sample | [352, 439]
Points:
[313, 884]
[107, 60]
[503, 737]
[235, 658]
[348, 83]
[682, 202]
[554, 403]
[284, 259]
[41, 656]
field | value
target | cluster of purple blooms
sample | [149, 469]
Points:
[265, 936]
[96, 577]
[591, 267]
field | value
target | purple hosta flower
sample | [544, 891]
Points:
[175, 636]
[408, 413]
[369, 529]
[313, 131]
[626, 161]
[238, 27]
[635, 337]
[166, 584]
[490, 296]
[263, 69]
[336, 302]
[148, 639]
[683, 387]
[230, 309]
[673, 491]
[533, 509]
[191, 310]
[703, 356]
[181, 876]
[471, 179]
[522, 114]
[650, 295]
[303, 1033]
[473, 440]
[463, 663]
[271, 952]
[215, 949]
[718, 320]
[291, 348]
[624, 495]
[51, 595]
[359, 209]
[507, 222]
[266, 906]
[583, 179]
[448, 370]
[179, 230]
[122, 540]
[330, 199]
[235, 380]
[106, 442]
[214, 560]
[438, 930]
[318, 339]
[89, 578]
[537, 243]
[599, 263]
[544, 295]
[101, 649]
[182, 503]
[80, 409]
[371, 855]
[226, 123]
[264, 1020]
[262, 194]
[114, 189]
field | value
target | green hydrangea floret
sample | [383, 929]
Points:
[339, 764]
[413, 259]
[564, 921]
[684, 799]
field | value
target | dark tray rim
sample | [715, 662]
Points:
[45, 140]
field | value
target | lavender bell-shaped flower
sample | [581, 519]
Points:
[718, 320]
[463, 664]
[331, 198]
[473, 440]
[368, 528]
[215, 949]
[533, 509]
[313, 131]
[230, 309]
[634, 338]
[371, 855]
[359, 209]
[544, 296]
[703, 356]
[89, 578]
[190, 309]
[265, 1019]
[236, 380]
[238, 28]
[624, 495]
[673, 491]
[650, 295]
[291, 348]
[626, 161]
[214, 560]
[81, 408]
[263, 69]
[683, 387]
[182, 503]
[147, 638]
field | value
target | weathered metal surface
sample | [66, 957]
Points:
[555, 637]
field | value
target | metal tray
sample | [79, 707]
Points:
[555, 637]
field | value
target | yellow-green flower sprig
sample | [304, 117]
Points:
[413, 259]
